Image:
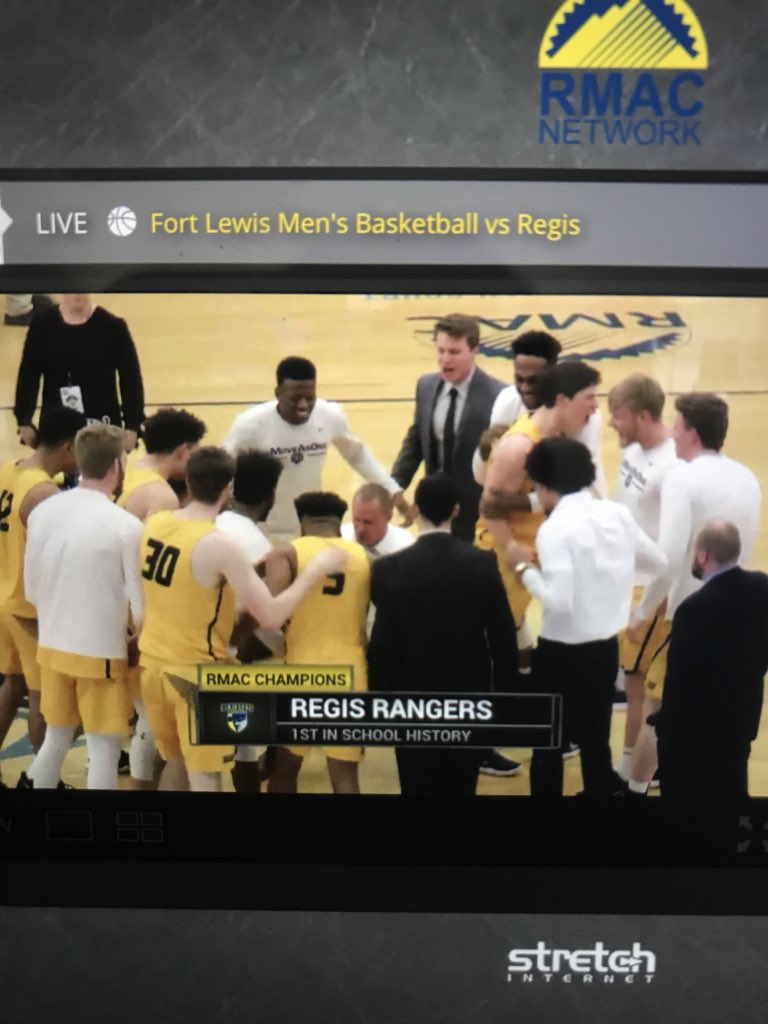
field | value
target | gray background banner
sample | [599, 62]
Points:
[232, 83]
[180, 966]
[630, 224]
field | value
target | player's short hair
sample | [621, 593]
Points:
[296, 368]
[59, 426]
[640, 393]
[457, 325]
[561, 464]
[320, 505]
[565, 379]
[375, 492]
[169, 428]
[539, 344]
[96, 448]
[209, 470]
[256, 476]
[707, 414]
[721, 540]
[436, 497]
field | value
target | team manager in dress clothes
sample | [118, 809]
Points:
[453, 408]
[713, 689]
[442, 623]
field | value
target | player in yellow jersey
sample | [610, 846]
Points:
[170, 437]
[24, 483]
[567, 397]
[329, 627]
[193, 576]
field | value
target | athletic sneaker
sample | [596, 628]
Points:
[26, 783]
[496, 764]
[619, 700]
[654, 783]
[572, 750]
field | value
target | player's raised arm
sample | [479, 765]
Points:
[223, 554]
[357, 453]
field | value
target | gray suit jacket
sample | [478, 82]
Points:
[420, 444]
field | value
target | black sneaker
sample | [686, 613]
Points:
[124, 763]
[619, 700]
[572, 750]
[26, 783]
[654, 783]
[496, 764]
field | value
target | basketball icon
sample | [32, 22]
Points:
[121, 221]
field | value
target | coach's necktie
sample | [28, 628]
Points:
[449, 432]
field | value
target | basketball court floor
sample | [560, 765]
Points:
[216, 355]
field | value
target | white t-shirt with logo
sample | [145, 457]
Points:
[641, 475]
[302, 449]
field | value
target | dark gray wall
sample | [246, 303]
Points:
[358, 83]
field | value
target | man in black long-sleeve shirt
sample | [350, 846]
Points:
[83, 354]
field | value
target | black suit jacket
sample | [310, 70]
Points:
[718, 656]
[420, 446]
[442, 620]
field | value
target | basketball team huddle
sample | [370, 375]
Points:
[115, 590]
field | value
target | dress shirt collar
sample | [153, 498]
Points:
[462, 387]
[719, 571]
[572, 501]
[427, 528]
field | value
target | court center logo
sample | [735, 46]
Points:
[238, 716]
[595, 965]
[622, 72]
[613, 334]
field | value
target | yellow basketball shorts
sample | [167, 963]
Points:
[18, 648]
[168, 693]
[134, 683]
[637, 657]
[657, 670]
[102, 705]
[519, 598]
[353, 754]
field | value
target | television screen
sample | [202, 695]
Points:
[215, 355]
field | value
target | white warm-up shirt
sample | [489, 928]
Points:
[82, 571]
[638, 489]
[711, 486]
[243, 529]
[395, 539]
[256, 545]
[589, 552]
[508, 408]
[302, 450]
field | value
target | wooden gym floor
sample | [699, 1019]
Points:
[216, 355]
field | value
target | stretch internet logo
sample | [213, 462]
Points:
[598, 965]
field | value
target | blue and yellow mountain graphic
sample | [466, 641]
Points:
[624, 34]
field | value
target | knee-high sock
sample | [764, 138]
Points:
[142, 750]
[45, 770]
[103, 755]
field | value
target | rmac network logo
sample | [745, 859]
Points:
[598, 965]
[586, 104]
